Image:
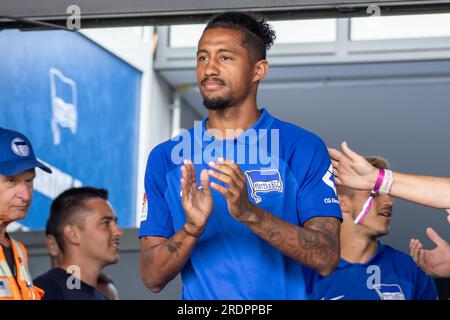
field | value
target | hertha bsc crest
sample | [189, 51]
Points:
[264, 181]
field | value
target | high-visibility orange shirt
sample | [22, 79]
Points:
[20, 287]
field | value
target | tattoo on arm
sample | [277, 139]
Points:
[173, 246]
[315, 245]
[319, 240]
[275, 235]
[327, 226]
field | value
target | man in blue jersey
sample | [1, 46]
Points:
[369, 270]
[241, 201]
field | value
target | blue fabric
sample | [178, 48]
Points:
[293, 182]
[390, 274]
[54, 283]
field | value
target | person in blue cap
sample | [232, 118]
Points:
[368, 269]
[17, 172]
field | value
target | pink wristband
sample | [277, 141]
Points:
[379, 181]
[368, 204]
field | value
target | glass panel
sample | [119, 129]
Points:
[400, 27]
[293, 31]
[304, 31]
[185, 36]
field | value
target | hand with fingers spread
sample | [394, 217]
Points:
[434, 262]
[351, 169]
[197, 204]
[228, 172]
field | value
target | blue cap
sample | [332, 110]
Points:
[16, 154]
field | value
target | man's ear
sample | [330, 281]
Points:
[72, 234]
[261, 68]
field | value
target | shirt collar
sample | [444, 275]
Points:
[374, 260]
[261, 126]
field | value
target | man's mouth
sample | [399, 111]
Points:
[209, 83]
[115, 244]
[22, 208]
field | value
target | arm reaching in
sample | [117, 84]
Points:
[352, 170]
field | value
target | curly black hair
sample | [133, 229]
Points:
[259, 36]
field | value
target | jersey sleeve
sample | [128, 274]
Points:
[158, 220]
[317, 191]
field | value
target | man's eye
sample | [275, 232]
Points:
[202, 58]
[226, 58]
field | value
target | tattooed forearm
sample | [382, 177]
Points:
[319, 245]
[309, 240]
[162, 259]
[275, 235]
[315, 245]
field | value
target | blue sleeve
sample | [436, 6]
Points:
[317, 193]
[425, 287]
[158, 220]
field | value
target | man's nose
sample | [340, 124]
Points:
[212, 68]
[25, 192]
[117, 231]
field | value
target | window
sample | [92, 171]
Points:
[400, 27]
[305, 31]
[292, 31]
[185, 36]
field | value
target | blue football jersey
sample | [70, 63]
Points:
[389, 275]
[289, 174]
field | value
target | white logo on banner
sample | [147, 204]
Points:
[64, 113]
[51, 185]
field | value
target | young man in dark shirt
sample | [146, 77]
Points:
[85, 228]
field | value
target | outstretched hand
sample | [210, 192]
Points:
[197, 203]
[351, 169]
[434, 262]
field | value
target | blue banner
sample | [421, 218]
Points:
[79, 106]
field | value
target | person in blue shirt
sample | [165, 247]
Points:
[369, 270]
[353, 171]
[241, 201]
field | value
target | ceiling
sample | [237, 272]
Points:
[96, 13]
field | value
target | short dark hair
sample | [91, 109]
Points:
[259, 36]
[66, 206]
